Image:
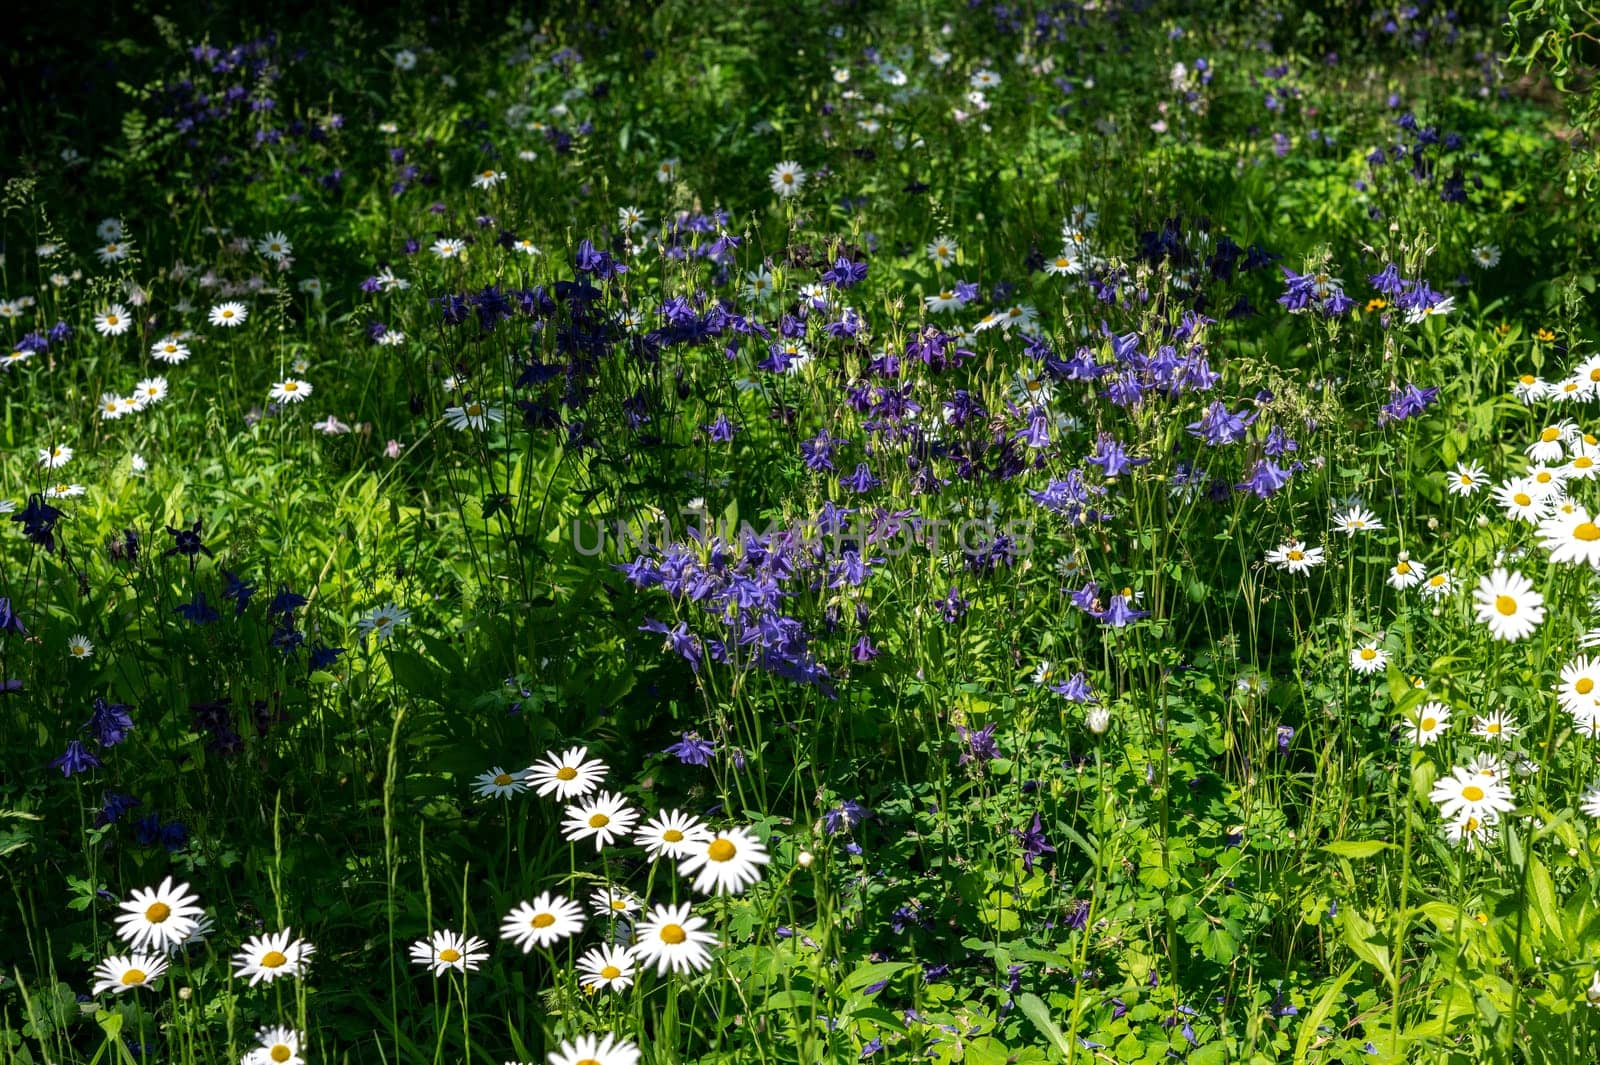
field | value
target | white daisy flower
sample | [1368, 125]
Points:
[672, 834]
[1508, 604]
[1405, 573]
[1427, 723]
[289, 390]
[276, 1046]
[80, 648]
[497, 783]
[1571, 537]
[228, 315]
[487, 179]
[787, 178]
[381, 621]
[1295, 557]
[159, 917]
[943, 250]
[568, 774]
[727, 863]
[606, 818]
[1369, 658]
[274, 246]
[1467, 791]
[543, 922]
[1356, 519]
[672, 938]
[1496, 725]
[113, 321]
[595, 1050]
[446, 950]
[448, 248]
[169, 350]
[606, 967]
[124, 972]
[267, 957]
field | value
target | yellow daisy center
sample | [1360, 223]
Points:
[449, 954]
[1550, 434]
[273, 959]
[502, 779]
[1522, 499]
[1429, 724]
[1505, 604]
[1472, 793]
[158, 912]
[1588, 532]
[672, 835]
[1368, 654]
[721, 850]
[281, 1052]
[133, 976]
[673, 934]
[610, 972]
[1402, 568]
[566, 772]
[1295, 556]
[542, 920]
[598, 820]
[1584, 686]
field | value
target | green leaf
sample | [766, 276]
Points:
[1358, 848]
[1319, 1013]
[1036, 1011]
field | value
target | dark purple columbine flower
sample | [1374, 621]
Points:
[1112, 458]
[10, 620]
[1285, 737]
[1119, 613]
[1034, 844]
[76, 759]
[980, 743]
[844, 817]
[197, 611]
[1266, 477]
[110, 722]
[720, 431]
[187, 542]
[844, 273]
[114, 805]
[692, 750]
[38, 520]
[952, 607]
[1219, 427]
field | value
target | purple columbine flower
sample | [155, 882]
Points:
[76, 759]
[1034, 844]
[692, 750]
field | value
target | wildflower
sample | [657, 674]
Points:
[943, 251]
[787, 178]
[1495, 725]
[1466, 479]
[1572, 538]
[405, 59]
[265, 958]
[1437, 585]
[605, 967]
[498, 784]
[473, 414]
[1405, 573]
[447, 248]
[1468, 791]
[169, 350]
[726, 863]
[55, 456]
[667, 171]
[606, 818]
[672, 938]
[567, 775]
[1579, 687]
[80, 648]
[546, 920]
[1356, 519]
[158, 917]
[673, 834]
[276, 1046]
[381, 621]
[1590, 805]
[446, 950]
[124, 972]
[289, 390]
[1508, 604]
[274, 246]
[487, 179]
[1486, 255]
[1295, 557]
[113, 321]
[228, 315]
[1034, 844]
[595, 1050]
[692, 750]
[76, 759]
[1428, 723]
[1473, 830]
[1369, 658]
[110, 723]
[608, 902]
